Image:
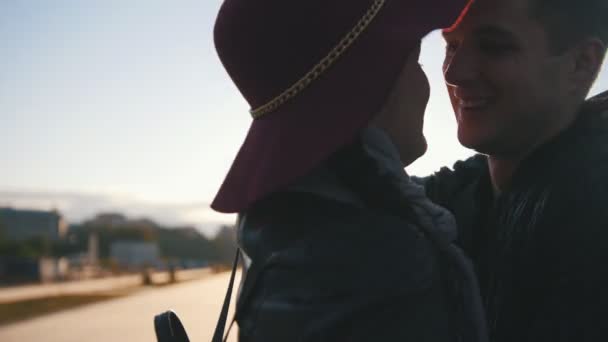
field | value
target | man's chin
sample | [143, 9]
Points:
[474, 142]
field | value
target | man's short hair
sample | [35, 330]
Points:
[569, 21]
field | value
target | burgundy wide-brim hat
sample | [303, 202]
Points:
[314, 72]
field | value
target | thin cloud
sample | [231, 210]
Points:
[77, 207]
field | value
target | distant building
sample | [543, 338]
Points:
[15, 270]
[116, 220]
[108, 220]
[135, 254]
[25, 224]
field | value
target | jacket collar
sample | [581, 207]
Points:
[324, 183]
[591, 123]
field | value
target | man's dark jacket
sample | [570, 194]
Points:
[541, 247]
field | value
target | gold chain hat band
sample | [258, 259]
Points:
[323, 65]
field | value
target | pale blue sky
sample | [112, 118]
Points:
[123, 105]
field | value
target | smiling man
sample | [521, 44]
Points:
[533, 205]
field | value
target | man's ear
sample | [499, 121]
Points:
[586, 62]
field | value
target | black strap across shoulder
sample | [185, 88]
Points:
[218, 336]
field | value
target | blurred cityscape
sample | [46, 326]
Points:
[107, 276]
[41, 247]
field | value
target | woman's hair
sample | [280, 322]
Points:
[356, 170]
[362, 174]
[569, 21]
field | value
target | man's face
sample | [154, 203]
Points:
[505, 84]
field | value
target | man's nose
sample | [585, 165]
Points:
[460, 67]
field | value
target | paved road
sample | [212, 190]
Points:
[197, 302]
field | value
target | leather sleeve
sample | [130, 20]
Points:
[446, 184]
